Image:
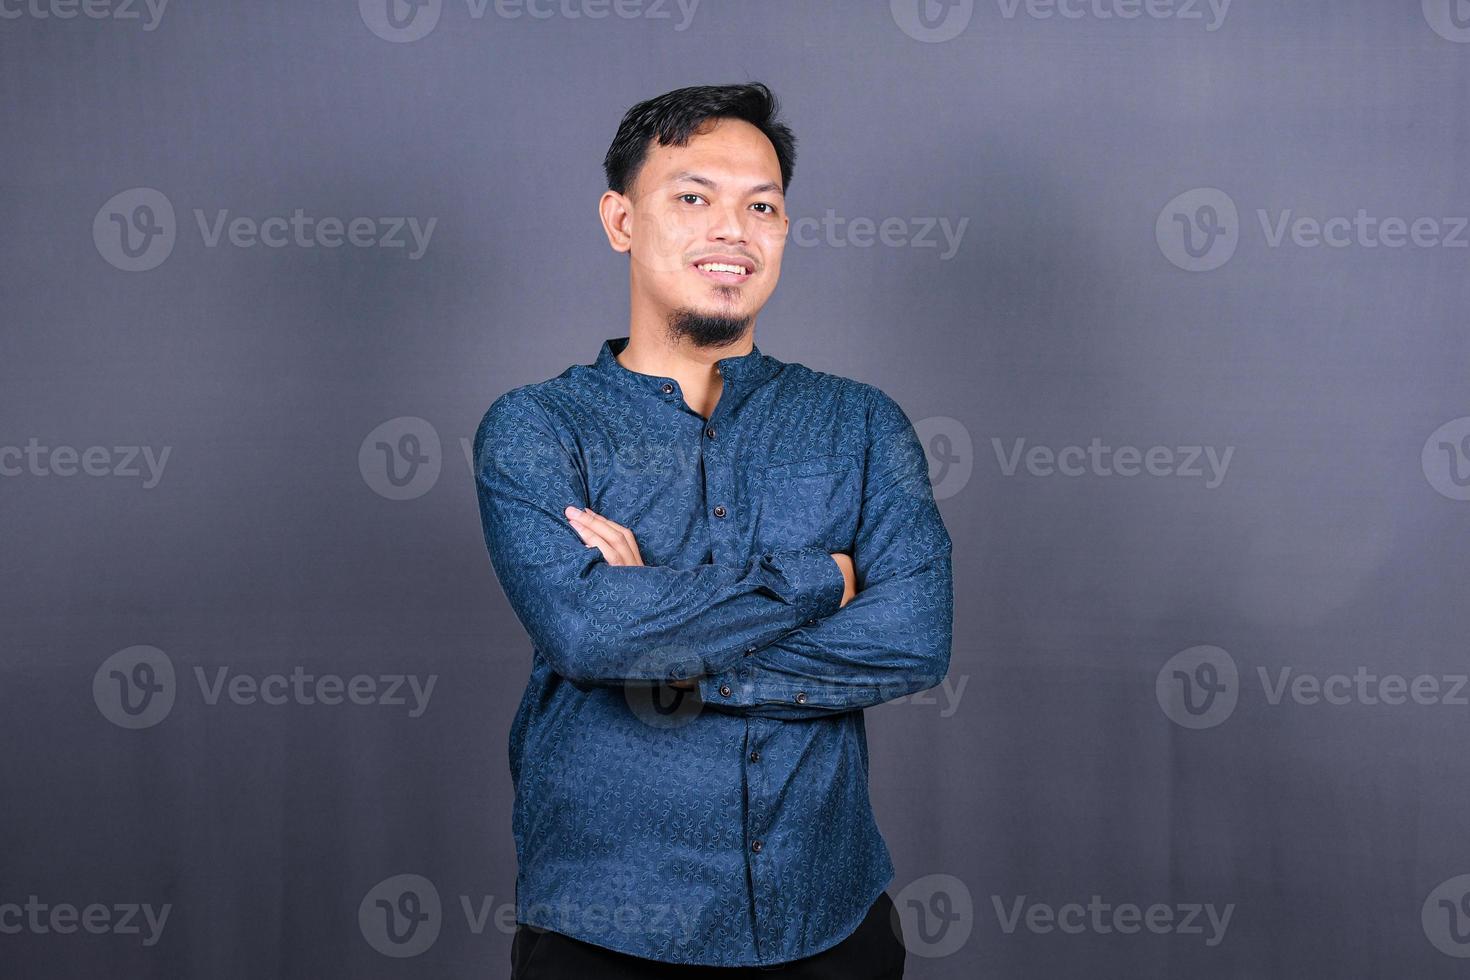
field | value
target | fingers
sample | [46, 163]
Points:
[597, 536]
[627, 543]
[617, 544]
[849, 577]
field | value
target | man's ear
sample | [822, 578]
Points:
[616, 212]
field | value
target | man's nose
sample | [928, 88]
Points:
[728, 225]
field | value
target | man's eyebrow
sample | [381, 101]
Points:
[768, 187]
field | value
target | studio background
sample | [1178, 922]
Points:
[1203, 450]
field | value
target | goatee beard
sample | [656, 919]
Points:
[706, 329]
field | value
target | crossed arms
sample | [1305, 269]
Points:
[775, 636]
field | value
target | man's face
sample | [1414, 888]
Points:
[717, 199]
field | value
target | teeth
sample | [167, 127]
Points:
[721, 267]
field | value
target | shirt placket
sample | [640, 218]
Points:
[726, 544]
[722, 522]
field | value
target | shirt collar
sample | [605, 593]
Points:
[742, 370]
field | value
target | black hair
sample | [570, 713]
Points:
[675, 116]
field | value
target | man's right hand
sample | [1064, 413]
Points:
[849, 577]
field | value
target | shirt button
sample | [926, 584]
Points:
[801, 697]
[710, 432]
[750, 651]
[755, 846]
[724, 690]
[667, 388]
[755, 756]
[719, 510]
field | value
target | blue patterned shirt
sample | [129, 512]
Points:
[729, 826]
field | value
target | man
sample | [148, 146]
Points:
[690, 513]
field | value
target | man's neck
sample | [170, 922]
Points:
[693, 367]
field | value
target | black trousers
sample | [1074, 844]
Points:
[874, 951]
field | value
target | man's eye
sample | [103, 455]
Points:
[763, 204]
[695, 196]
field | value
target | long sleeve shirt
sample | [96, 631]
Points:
[729, 825]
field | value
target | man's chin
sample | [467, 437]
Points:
[702, 327]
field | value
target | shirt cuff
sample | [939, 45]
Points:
[746, 685]
[815, 582]
[727, 687]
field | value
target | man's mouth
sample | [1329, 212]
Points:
[724, 271]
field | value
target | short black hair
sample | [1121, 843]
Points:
[675, 116]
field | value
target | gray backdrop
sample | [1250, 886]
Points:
[1173, 291]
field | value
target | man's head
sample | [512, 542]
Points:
[695, 176]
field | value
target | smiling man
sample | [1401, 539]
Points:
[721, 559]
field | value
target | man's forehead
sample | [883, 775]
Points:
[715, 183]
[750, 164]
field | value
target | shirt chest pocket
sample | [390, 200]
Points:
[809, 502]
